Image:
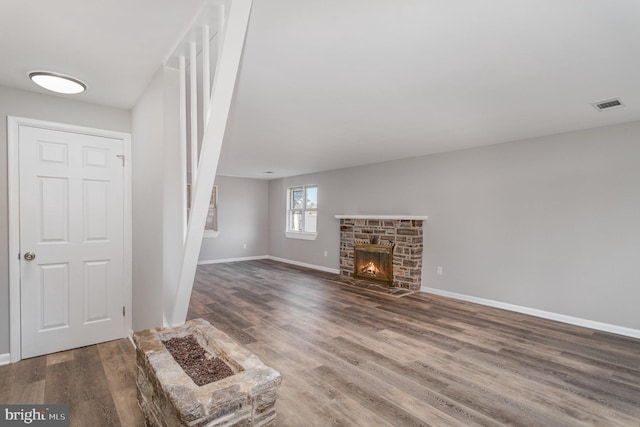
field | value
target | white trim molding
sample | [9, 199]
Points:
[300, 235]
[272, 258]
[5, 359]
[130, 337]
[577, 321]
[304, 264]
[15, 348]
[221, 261]
[399, 217]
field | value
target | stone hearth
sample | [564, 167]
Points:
[405, 233]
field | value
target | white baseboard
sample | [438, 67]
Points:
[5, 359]
[304, 264]
[591, 324]
[131, 338]
[220, 261]
[286, 261]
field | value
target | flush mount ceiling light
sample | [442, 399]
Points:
[56, 82]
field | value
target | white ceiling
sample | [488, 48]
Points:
[337, 83]
[114, 46]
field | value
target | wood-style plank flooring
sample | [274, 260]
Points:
[97, 382]
[355, 358]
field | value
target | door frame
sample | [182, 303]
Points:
[13, 126]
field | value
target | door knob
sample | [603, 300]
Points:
[29, 256]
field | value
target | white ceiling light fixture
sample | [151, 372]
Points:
[57, 82]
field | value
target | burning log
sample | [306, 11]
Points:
[370, 269]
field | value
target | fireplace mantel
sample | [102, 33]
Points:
[400, 217]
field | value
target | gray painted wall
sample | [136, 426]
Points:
[549, 223]
[14, 102]
[242, 219]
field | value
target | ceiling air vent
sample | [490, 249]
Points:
[608, 104]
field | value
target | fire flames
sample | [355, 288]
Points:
[371, 269]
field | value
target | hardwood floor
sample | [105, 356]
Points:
[355, 358]
[97, 382]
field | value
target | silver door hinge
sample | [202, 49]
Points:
[19, 255]
[123, 312]
[121, 157]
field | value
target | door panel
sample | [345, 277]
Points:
[52, 152]
[96, 285]
[96, 210]
[72, 219]
[54, 292]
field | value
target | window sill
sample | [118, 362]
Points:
[300, 235]
[210, 233]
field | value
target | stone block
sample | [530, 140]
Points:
[407, 231]
[409, 263]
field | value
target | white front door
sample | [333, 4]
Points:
[71, 239]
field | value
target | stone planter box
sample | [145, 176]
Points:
[169, 397]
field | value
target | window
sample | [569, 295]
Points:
[212, 214]
[211, 224]
[302, 211]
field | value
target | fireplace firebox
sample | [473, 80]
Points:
[373, 262]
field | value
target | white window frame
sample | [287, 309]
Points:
[208, 232]
[214, 193]
[294, 234]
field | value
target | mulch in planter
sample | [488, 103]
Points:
[202, 367]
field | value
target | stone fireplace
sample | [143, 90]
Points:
[382, 249]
